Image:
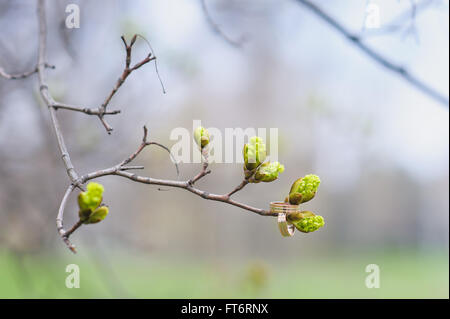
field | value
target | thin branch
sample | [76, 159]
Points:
[414, 81]
[126, 72]
[205, 163]
[248, 177]
[22, 75]
[60, 218]
[144, 144]
[185, 185]
[170, 155]
[100, 111]
[48, 99]
[239, 187]
[86, 110]
[46, 96]
[74, 228]
[127, 168]
[215, 27]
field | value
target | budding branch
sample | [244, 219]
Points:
[122, 169]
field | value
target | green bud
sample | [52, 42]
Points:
[98, 215]
[254, 153]
[268, 172]
[91, 198]
[297, 216]
[309, 223]
[201, 136]
[304, 189]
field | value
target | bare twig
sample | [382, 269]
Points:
[414, 81]
[205, 163]
[74, 228]
[46, 96]
[239, 187]
[215, 27]
[49, 100]
[141, 147]
[60, 217]
[126, 72]
[185, 185]
[86, 110]
[248, 177]
[22, 75]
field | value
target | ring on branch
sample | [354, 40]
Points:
[286, 229]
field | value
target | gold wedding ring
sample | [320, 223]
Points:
[286, 228]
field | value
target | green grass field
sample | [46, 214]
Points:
[401, 276]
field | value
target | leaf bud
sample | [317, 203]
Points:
[304, 189]
[201, 136]
[91, 198]
[98, 215]
[254, 153]
[268, 172]
[306, 221]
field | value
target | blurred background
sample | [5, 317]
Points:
[379, 145]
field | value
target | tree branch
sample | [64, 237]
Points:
[46, 96]
[126, 72]
[60, 217]
[22, 75]
[88, 111]
[121, 169]
[401, 71]
[215, 27]
[205, 163]
[239, 187]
